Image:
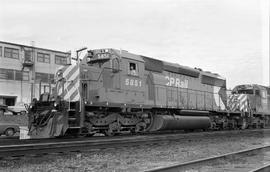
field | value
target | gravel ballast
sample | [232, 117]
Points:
[136, 158]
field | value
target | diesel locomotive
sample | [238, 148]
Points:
[113, 91]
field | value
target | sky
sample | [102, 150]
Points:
[229, 37]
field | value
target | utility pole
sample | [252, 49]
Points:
[33, 75]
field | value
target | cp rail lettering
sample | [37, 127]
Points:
[176, 82]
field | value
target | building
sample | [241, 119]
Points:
[26, 71]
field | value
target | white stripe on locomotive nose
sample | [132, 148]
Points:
[72, 90]
[243, 102]
[76, 98]
[69, 68]
[73, 76]
[238, 101]
[242, 97]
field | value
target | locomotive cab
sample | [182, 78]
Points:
[117, 77]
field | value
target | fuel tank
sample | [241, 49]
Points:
[177, 122]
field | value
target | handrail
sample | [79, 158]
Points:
[99, 76]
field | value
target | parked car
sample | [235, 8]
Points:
[4, 110]
[18, 109]
[9, 129]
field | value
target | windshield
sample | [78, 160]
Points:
[247, 91]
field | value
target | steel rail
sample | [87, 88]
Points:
[205, 161]
[80, 144]
[69, 146]
[265, 168]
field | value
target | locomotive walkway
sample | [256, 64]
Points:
[17, 148]
[236, 161]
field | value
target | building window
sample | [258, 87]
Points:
[21, 75]
[11, 53]
[7, 74]
[61, 60]
[44, 77]
[0, 51]
[42, 57]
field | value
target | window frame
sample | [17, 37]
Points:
[60, 61]
[43, 56]
[45, 77]
[136, 68]
[21, 75]
[8, 73]
[12, 52]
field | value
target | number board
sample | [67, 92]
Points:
[103, 56]
[133, 82]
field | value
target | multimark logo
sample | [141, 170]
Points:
[176, 82]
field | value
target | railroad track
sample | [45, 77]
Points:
[30, 147]
[265, 168]
[176, 135]
[226, 162]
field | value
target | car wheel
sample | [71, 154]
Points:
[9, 132]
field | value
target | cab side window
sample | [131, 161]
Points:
[133, 69]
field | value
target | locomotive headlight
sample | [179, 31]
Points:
[58, 73]
[88, 59]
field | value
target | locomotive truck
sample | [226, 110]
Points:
[114, 91]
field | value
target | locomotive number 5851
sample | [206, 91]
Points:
[133, 82]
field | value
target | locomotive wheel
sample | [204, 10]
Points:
[140, 127]
[149, 121]
[113, 129]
